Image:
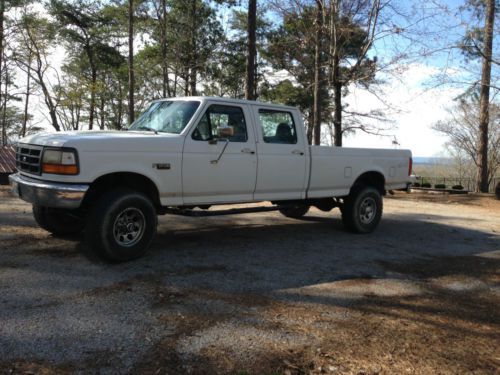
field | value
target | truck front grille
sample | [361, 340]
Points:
[28, 158]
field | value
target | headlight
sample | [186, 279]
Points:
[60, 161]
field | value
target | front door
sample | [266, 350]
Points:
[220, 170]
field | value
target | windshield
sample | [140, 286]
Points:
[166, 116]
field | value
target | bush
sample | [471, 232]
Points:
[426, 185]
[497, 191]
[416, 184]
[440, 186]
[457, 187]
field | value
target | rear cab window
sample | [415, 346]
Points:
[277, 126]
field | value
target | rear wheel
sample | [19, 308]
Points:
[58, 221]
[293, 211]
[362, 209]
[121, 225]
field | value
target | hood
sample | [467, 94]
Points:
[103, 140]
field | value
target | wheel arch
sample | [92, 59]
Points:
[375, 179]
[132, 180]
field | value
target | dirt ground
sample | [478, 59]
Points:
[261, 294]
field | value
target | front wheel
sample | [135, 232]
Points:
[362, 210]
[121, 225]
[59, 222]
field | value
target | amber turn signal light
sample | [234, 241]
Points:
[59, 168]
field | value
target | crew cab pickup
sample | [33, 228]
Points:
[185, 155]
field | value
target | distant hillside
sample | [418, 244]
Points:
[422, 160]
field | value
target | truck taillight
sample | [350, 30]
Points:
[410, 166]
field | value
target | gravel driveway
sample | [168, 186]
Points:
[260, 293]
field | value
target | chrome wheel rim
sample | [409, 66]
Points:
[367, 210]
[129, 227]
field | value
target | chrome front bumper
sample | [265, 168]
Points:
[47, 194]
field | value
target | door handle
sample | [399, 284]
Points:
[298, 152]
[248, 151]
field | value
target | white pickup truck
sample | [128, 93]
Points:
[184, 155]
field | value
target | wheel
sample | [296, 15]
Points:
[121, 225]
[57, 221]
[362, 209]
[293, 211]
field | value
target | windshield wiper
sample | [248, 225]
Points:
[142, 127]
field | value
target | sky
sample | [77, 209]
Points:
[430, 81]
[417, 108]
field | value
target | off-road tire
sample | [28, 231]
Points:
[59, 222]
[362, 209]
[293, 211]
[117, 217]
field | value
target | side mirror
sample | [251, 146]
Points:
[225, 132]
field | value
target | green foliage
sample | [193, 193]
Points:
[291, 47]
[285, 92]
[14, 118]
[91, 33]
[440, 186]
[229, 67]
[193, 38]
[86, 28]
[197, 51]
[37, 34]
[472, 43]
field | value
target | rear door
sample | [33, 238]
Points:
[220, 170]
[282, 155]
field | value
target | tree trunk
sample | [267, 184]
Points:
[50, 105]
[484, 102]
[310, 127]
[318, 77]
[194, 56]
[131, 78]
[163, 40]
[92, 97]
[76, 116]
[120, 107]
[250, 88]
[39, 79]
[102, 112]
[176, 79]
[186, 83]
[4, 106]
[335, 80]
[337, 100]
[2, 13]
[27, 98]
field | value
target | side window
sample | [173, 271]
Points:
[221, 116]
[277, 126]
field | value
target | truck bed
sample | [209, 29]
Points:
[334, 169]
